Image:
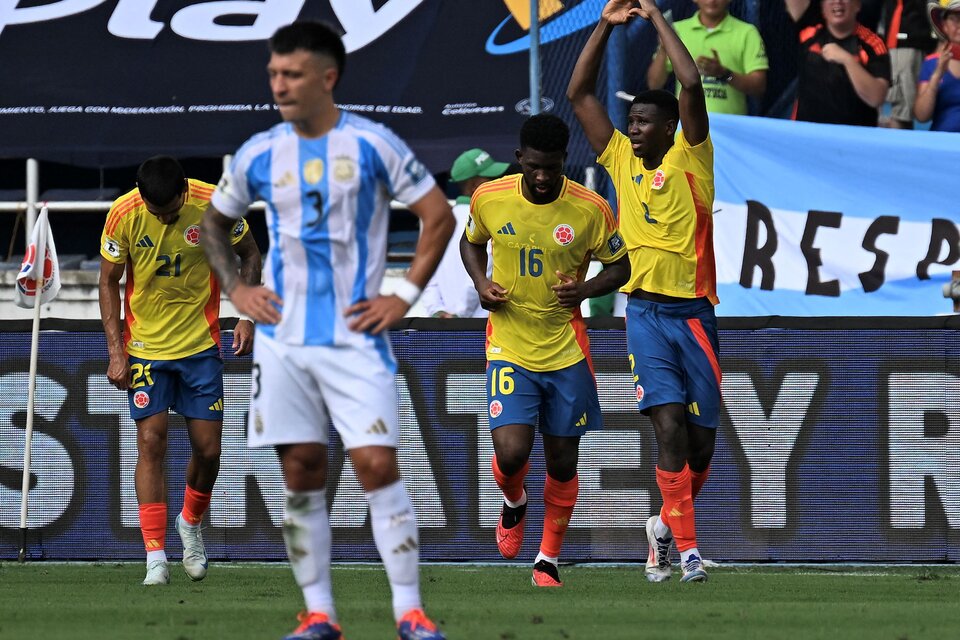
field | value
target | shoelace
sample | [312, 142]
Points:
[663, 552]
[418, 619]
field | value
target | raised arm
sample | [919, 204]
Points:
[657, 71]
[581, 92]
[693, 106]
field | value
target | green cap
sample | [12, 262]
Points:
[476, 162]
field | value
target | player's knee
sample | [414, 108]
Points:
[151, 444]
[511, 459]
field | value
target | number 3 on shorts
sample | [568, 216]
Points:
[501, 381]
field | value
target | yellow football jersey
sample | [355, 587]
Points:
[666, 217]
[172, 298]
[530, 243]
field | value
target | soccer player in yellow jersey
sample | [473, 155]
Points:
[544, 229]
[664, 183]
[168, 352]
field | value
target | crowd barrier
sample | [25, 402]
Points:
[839, 441]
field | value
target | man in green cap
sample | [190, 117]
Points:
[450, 293]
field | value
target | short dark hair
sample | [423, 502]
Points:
[665, 102]
[545, 132]
[160, 179]
[313, 36]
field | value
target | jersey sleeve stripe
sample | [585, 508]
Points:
[121, 210]
[871, 39]
[596, 199]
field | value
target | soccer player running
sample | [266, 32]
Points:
[664, 183]
[168, 353]
[544, 229]
[322, 352]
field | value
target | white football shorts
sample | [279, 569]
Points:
[296, 391]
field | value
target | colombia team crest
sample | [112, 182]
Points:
[496, 408]
[563, 234]
[658, 179]
[192, 235]
[141, 399]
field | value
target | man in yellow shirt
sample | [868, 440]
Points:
[168, 352]
[664, 183]
[544, 229]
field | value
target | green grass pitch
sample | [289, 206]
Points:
[238, 601]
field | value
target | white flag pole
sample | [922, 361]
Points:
[41, 260]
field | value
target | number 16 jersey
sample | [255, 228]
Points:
[530, 243]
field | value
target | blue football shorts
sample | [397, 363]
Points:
[562, 402]
[191, 386]
[675, 357]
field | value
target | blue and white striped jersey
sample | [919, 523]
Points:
[328, 202]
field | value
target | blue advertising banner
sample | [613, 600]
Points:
[832, 432]
[827, 220]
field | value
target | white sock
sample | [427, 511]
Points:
[685, 555]
[540, 556]
[156, 555]
[661, 530]
[394, 527]
[306, 532]
[519, 503]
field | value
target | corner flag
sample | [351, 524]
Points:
[41, 243]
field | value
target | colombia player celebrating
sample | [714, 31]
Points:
[664, 183]
[168, 355]
[544, 228]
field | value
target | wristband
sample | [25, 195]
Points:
[408, 292]
[240, 317]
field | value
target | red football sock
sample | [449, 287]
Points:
[559, 498]
[697, 480]
[194, 505]
[153, 525]
[512, 486]
[677, 512]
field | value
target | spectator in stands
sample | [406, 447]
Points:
[450, 292]
[904, 25]
[844, 67]
[729, 54]
[938, 93]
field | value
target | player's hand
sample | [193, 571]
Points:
[374, 316]
[832, 52]
[492, 295]
[622, 11]
[118, 372]
[258, 302]
[711, 67]
[243, 338]
[569, 292]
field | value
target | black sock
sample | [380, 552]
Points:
[513, 515]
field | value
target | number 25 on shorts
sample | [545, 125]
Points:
[140, 375]
[500, 381]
